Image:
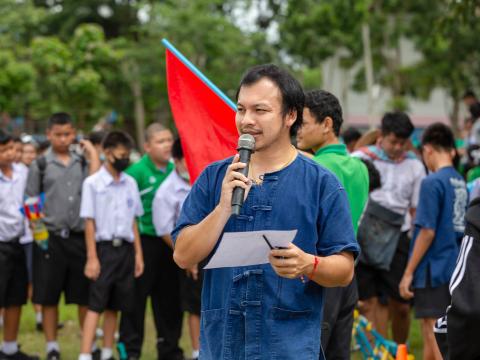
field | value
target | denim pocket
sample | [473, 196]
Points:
[211, 335]
[294, 334]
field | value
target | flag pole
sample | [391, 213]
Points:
[197, 72]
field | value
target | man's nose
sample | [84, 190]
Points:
[247, 119]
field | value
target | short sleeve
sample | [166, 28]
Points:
[419, 176]
[197, 205]
[87, 206]
[163, 212]
[335, 225]
[429, 204]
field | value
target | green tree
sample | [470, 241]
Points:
[447, 37]
[19, 23]
[17, 78]
[369, 33]
[72, 76]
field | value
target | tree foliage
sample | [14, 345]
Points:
[91, 57]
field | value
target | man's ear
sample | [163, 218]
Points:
[453, 153]
[328, 124]
[427, 149]
[291, 118]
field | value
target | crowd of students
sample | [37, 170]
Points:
[407, 209]
[96, 255]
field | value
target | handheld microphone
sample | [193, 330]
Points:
[246, 146]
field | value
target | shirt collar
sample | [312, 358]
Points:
[153, 167]
[51, 156]
[16, 173]
[340, 149]
[179, 183]
[107, 178]
[375, 152]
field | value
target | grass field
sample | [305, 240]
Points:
[69, 337]
[33, 341]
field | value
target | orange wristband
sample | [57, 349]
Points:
[315, 264]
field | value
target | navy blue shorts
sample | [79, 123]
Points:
[115, 287]
[13, 275]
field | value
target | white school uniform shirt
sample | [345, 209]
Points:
[113, 205]
[12, 222]
[168, 202]
[400, 188]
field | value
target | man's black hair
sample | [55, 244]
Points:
[293, 98]
[475, 110]
[440, 136]
[323, 104]
[16, 139]
[177, 151]
[5, 137]
[96, 137]
[397, 123]
[374, 177]
[351, 134]
[59, 118]
[469, 94]
[115, 138]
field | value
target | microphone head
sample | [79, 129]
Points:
[246, 141]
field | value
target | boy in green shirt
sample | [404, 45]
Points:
[322, 120]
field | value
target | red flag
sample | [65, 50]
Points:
[204, 116]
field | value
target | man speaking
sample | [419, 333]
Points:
[272, 310]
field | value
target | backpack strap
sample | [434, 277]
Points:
[42, 166]
[83, 163]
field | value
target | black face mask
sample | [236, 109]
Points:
[120, 164]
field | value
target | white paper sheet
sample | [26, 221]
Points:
[248, 248]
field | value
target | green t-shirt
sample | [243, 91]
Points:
[351, 172]
[148, 178]
[473, 174]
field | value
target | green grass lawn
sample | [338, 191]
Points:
[69, 337]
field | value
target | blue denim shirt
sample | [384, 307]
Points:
[250, 312]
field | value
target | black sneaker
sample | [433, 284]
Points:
[19, 355]
[97, 354]
[53, 355]
[39, 326]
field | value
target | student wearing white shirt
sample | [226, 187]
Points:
[13, 266]
[29, 154]
[384, 230]
[110, 203]
[166, 207]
